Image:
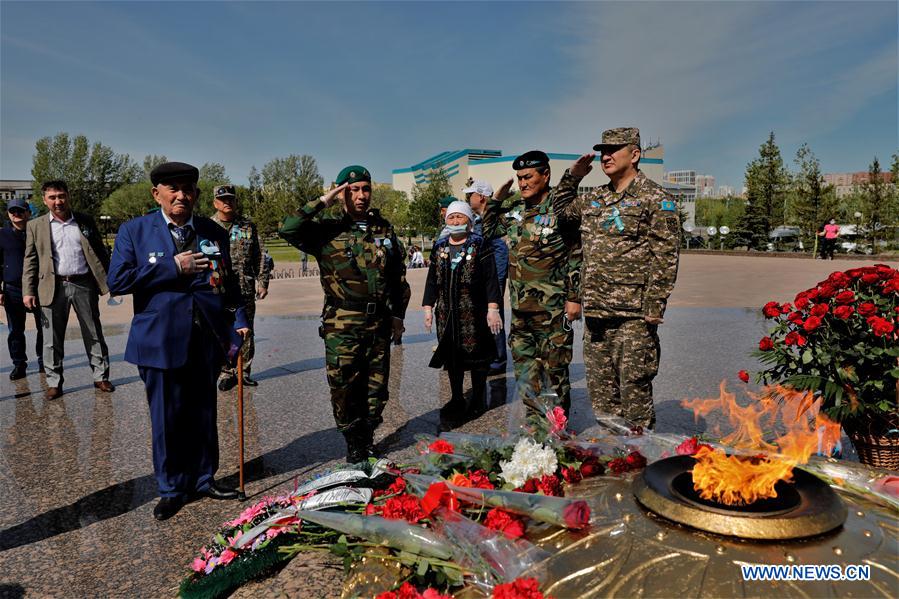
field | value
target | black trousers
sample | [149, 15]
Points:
[16, 315]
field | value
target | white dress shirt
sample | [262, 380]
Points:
[68, 256]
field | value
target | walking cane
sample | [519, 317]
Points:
[241, 494]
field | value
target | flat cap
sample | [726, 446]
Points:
[446, 201]
[353, 174]
[223, 191]
[620, 136]
[532, 159]
[17, 203]
[169, 171]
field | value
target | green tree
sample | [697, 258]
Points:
[393, 204]
[424, 211]
[812, 202]
[151, 161]
[214, 173]
[284, 185]
[718, 212]
[129, 201]
[767, 183]
[92, 172]
[876, 204]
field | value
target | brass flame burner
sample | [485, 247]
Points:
[804, 508]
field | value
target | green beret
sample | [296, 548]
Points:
[353, 174]
[445, 202]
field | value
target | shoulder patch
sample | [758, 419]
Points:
[668, 205]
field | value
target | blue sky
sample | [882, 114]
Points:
[388, 84]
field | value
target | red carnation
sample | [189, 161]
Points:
[520, 588]
[403, 507]
[506, 522]
[820, 310]
[744, 376]
[549, 484]
[577, 514]
[812, 323]
[867, 309]
[880, 326]
[765, 344]
[529, 486]
[396, 487]
[571, 475]
[479, 479]
[843, 312]
[771, 310]
[845, 297]
[441, 446]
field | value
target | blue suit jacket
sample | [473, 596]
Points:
[143, 264]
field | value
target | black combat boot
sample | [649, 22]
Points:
[355, 446]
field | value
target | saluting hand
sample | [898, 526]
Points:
[582, 165]
[190, 263]
[504, 190]
[331, 197]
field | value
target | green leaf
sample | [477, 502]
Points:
[807, 356]
[422, 567]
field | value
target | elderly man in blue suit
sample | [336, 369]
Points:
[187, 321]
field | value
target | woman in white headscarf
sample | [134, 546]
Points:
[462, 293]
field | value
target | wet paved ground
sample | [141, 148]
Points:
[77, 485]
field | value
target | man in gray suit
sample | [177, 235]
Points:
[65, 267]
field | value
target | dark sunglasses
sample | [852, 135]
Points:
[17, 211]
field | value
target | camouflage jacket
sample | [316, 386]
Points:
[247, 254]
[631, 242]
[358, 262]
[544, 249]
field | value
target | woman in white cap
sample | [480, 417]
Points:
[463, 293]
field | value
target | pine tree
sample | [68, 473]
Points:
[877, 209]
[767, 182]
[813, 202]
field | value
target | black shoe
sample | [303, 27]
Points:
[18, 372]
[41, 370]
[227, 383]
[214, 491]
[167, 507]
[248, 382]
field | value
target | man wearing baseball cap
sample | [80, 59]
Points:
[631, 238]
[12, 257]
[478, 194]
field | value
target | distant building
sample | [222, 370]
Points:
[15, 188]
[845, 183]
[726, 191]
[496, 168]
[703, 185]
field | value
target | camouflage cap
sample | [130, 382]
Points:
[445, 202]
[620, 136]
[353, 174]
[223, 191]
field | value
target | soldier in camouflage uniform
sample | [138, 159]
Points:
[544, 273]
[252, 270]
[363, 274]
[630, 233]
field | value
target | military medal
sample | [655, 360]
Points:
[215, 279]
[152, 259]
[209, 247]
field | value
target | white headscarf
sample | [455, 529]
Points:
[460, 207]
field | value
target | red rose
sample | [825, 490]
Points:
[786, 308]
[885, 271]
[795, 318]
[506, 522]
[794, 338]
[867, 309]
[844, 297]
[871, 277]
[744, 376]
[801, 301]
[635, 460]
[576, 514]
[826, 291]
[479, 479]
[690, 446]
[441, 446]
[843, 312]
[839, 280]
[880, 326]
[592, 468]
[765, 344]
[820, 310]
[771, 310]
[811, 324]
[891, 285]
[811, 294]
[855, 272]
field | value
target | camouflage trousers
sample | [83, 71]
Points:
[541, 344]
[621, 357]
[357, 360]
[248, 349]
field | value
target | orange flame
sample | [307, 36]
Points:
[756, 465]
